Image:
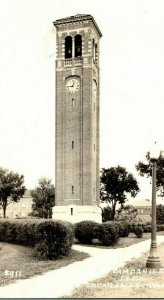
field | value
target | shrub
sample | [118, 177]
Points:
[147, 228]
[19, 232]
[3, 230]
[138, 230]
[160, 227]
[26, 233]
[11, 232]
[108, 233]
[136, 224]
[50, 238]
[123, 229]
[54, 239]
[7, 231]
[130, 227]
[86, 231]
[160, 213]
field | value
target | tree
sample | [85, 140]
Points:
[145, 169]
[127, 213]
[11, 188]
[43, 199]
[115, 184]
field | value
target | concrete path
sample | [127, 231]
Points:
[60, 282]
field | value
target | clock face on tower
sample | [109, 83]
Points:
[72, 85]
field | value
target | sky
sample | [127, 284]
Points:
[131, 83]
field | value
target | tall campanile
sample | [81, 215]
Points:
[77, 119]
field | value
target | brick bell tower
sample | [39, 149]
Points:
[77, 119]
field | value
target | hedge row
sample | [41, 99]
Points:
[146, 227]
[51, 239]
[107, 233]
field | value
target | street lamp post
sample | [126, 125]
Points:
[153, 260]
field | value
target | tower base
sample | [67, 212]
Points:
[77, 213]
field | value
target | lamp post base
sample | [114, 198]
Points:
[153, 263]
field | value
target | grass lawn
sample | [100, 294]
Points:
[19, 262]
[131, 281]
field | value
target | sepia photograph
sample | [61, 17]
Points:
[82, 149]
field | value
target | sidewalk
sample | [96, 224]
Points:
[60, 282]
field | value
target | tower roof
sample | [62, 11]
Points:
[76, 18]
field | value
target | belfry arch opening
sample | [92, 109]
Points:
[78, 45]
[68, 47]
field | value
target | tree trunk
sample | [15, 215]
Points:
[113, 210]
[4, 212]
[4, 205]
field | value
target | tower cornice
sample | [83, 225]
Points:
[77, 18]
